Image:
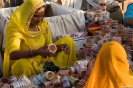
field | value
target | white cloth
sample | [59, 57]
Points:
[114, 3]
[3, 22]
[61, 10]
[94, 3]
[66, 24]
[110, 1]
[78, 4]
[79, 43]
[4, 18]
[72, 3]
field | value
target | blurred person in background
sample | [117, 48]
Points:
[128, 15]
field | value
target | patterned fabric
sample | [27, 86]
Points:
[129, 13]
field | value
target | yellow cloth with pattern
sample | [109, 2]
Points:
[18, 37]
[111, 68]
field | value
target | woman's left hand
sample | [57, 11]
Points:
[63, 47]
[90, 66]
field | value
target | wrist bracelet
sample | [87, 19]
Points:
[82, 82]
[31, 54]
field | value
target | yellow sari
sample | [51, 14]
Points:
[111, 68]
[18, 37]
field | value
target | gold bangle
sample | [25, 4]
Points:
[52, 48]
[49, 75]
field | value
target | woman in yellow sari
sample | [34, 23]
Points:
[111, 69]
[27, 38]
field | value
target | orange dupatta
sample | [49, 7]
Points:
[111, 68]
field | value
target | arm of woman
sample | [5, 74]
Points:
[82, 82]
[17, 54]
[63, 47]
[42, 51]
[128, 21]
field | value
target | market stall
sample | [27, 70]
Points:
[102, 27]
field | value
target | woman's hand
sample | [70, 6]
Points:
[44, 52]
[63, 47]
[88, 71]
[90, 66]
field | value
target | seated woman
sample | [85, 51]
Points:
[128, 16]
[111, 69]
[27, 40]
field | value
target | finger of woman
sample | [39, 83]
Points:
[67, 48]
[66, 52]
[62, 47]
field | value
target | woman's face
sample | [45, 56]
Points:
[38, 16]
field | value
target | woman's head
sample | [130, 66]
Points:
[111, 68]
[31, 12]
[38, 16]
[112, 55]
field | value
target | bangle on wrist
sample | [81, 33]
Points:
[31, 54]
[82, 82]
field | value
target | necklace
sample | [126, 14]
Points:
[33, 29]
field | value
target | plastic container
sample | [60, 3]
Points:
[65, 73]
[93, 28]
[64, 80]
[74, 81]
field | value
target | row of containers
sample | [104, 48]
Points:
[69, 77]
[64, 78]
[109, 30]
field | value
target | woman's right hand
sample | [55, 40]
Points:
[44, 52]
